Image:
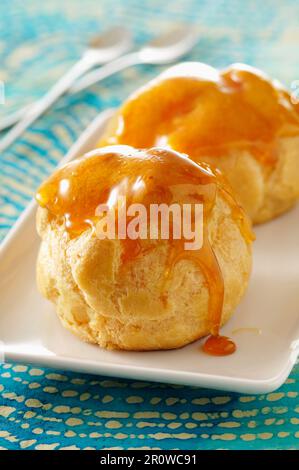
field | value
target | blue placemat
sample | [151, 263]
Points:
[46, 409]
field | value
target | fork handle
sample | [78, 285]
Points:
[40, 106]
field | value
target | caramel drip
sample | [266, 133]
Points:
[219, 346]
[205, 113]
[73, 194]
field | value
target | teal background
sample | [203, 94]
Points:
[46, 409]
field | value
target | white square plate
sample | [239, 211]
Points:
[267, 318]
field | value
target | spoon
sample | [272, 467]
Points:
[164, 49]
[102, 48]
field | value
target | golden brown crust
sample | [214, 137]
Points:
[125, 311]
[251, 135]
[264, 192]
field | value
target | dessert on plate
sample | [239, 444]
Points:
[147, 292]
[237, 119]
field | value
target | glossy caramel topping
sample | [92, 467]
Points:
[197, 110]
[219, 346]
[74, 192]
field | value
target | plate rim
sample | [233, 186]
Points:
[131, 372]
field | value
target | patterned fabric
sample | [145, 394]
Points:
[46, 409]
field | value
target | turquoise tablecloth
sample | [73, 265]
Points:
[46, 409]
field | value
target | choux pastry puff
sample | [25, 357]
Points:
[237, 119]
[147, 293]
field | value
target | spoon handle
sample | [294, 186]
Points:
[105, 71]
[93, 77]
[14, 117]
[40, 106]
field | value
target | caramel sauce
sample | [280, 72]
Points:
[253, 330]
[73, 193]
[219, 346]
[205, 113]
